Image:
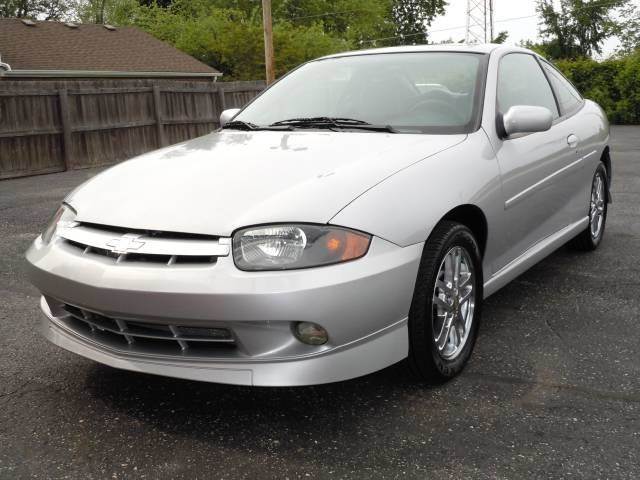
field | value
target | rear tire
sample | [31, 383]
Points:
[591, 237]
[447, 303]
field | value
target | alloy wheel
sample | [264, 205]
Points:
[597, 206]
[453, 303]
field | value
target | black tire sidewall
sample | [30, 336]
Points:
[423, 350]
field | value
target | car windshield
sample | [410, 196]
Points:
[417, 92]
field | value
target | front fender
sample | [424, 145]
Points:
[405, 207]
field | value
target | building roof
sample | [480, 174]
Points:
[71, 49]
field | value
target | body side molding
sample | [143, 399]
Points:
[532, 256]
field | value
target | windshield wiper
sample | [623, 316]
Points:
[333, 123]
[242, 125]
[319, 120]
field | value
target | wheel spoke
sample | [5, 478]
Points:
[457, 264]
[444, 286]
[442, 304]
[464, 279]
[465, 296]
[448, 268]
[443, 336]
[454, 338]
[461, 323]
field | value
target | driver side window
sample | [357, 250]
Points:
[522, 82]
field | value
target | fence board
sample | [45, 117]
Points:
[48, 126]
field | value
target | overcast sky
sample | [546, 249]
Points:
[506, 14]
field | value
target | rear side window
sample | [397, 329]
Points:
[522, 82]
[568, 97]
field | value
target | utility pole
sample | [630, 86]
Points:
[268, 41]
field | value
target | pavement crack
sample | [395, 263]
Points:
[13, 392]
[560, 337]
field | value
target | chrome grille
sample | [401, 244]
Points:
[127, 245]
[146, 337]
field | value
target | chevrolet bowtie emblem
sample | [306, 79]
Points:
[127, 243]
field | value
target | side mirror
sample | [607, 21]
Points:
[227, 115]
[526, 119]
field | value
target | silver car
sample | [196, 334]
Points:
[353, 215]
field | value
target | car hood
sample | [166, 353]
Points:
[229, 179]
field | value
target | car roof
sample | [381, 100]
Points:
[484, 48]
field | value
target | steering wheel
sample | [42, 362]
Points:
[445, 109]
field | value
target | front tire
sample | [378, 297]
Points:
[447, 303]
[591, 237]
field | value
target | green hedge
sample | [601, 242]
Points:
[614, 84]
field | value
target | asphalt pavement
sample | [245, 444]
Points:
[552, 389]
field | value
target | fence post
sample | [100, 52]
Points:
[157, 107]
[223, 102]
[63, 96]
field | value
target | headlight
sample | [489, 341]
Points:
[64, 216]
[285, 247]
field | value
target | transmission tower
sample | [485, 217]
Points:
[479, 21]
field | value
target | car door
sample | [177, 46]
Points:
[586, 132]
[533, 166]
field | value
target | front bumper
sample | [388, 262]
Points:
[363, 305]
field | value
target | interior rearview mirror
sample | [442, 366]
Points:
[227, 115]
[526, 119]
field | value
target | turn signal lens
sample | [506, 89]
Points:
[64, 216]
[347, 244]
[284, 247]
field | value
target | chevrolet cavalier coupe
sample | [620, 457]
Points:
[353, 215]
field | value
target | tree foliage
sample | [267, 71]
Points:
[352, 20]
[628, 29]
[230, 40]
[501, 37]
[578, 28]
[412, 19]
[613, 83]
[42, 9]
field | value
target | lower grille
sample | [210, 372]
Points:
[145, 337]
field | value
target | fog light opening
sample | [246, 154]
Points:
[310, 333]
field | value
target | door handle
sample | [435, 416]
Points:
[572, 141]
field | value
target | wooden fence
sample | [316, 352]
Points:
[55, 126]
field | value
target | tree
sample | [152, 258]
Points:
[358, 22]
[578, 28]
[539, 48]
[412, 19]
[628, 82]
[355, 21]
[93, 11]
[41, 9]
[628, 29]
[229, 40]
[501, 37]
